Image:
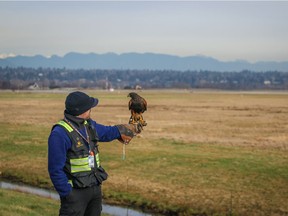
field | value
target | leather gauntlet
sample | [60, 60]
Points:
[128, 131]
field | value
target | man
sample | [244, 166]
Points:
[73, 157]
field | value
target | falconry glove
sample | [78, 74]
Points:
[128, 131]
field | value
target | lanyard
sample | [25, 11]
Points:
[86, 139]
[91, 152]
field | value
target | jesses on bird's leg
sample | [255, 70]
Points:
[137, 118]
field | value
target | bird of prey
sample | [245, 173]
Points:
[138, 106]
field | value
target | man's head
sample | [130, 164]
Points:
[78, 103]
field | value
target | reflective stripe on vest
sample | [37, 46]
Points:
[70, 182]
[97, 159]
[79, 165]
[65, 125]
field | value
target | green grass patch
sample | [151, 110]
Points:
[24, 138]
[22, 204]
[24, 154]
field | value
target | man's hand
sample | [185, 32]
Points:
[128, 131]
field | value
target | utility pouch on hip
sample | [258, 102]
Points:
[100, 174]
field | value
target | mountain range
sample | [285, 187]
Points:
[140, 61]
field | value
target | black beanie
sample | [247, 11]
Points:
[78, 102]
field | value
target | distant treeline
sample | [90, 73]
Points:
[50, 78]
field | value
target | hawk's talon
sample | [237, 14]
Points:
[137, 119]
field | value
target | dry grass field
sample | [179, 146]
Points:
[202, 152]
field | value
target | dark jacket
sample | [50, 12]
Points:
[59, 144]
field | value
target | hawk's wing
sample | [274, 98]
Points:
[137, 104]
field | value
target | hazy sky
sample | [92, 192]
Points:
[224, 30]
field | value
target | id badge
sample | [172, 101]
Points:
[91, 161]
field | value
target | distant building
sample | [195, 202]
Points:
[267, 82]
[138, 87]
[34, 86]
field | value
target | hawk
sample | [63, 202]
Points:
[138, 106]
